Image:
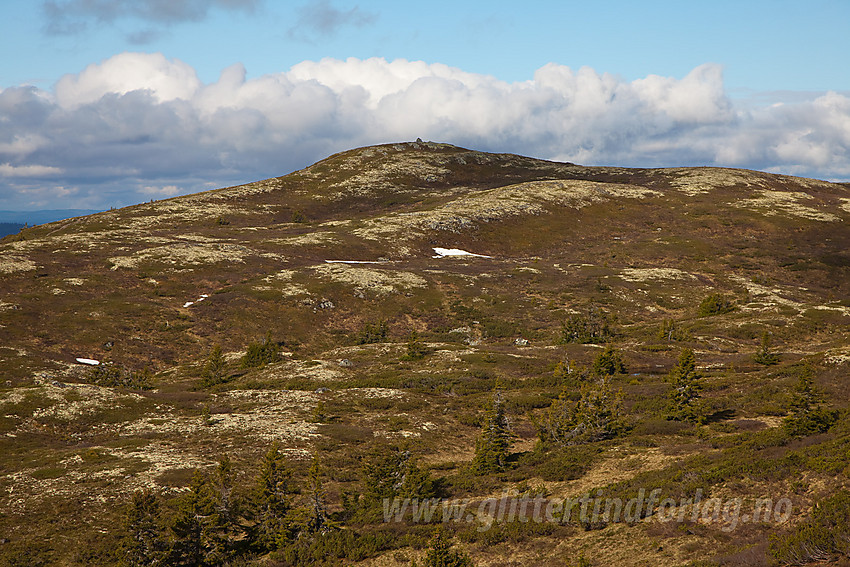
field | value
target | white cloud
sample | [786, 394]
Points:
[146, 122]
[8, 170]
[698, 98]
[22, 144]
[160, 191]
[165, 79]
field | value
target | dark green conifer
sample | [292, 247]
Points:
[214, 369]
[271, 502]
[684, 397]
[143, 544]
[492, 446]
[441, 554]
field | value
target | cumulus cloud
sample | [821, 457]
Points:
[140, 125]
[127, 72]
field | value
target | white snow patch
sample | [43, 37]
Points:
[191, 303]
[89, 361]
[444, 252]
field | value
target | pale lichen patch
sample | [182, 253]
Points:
[529, 198]
[182, 254]
[69, 401]
[282, 283]
[787, 202]
[701, 180]
[312, 238]
[380, 282]
[10, 264]
[645, 274]
[265, 414]
[767, 297]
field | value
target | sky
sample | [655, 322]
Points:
[107, 103]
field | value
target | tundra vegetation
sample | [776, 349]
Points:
[618, 331]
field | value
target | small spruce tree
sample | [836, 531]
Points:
[764, 355]
[671, 331]
[808, 416]
[416, 349]
[214, 371]
[390, 472]
[320, 413]
[596, 416]
[608, 363]
[441, 554]
[592, 327]
[714, 304]
[562, 371]
[492, 446]
[262, 353]
[373, 333]
[684, 397]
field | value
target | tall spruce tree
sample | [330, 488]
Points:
[143, 544]
[271, 502]
[222, 527]
[317, 521]
[191, 545]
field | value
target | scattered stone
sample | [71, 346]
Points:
[521, 342]
[345, 363]
[322, 390]
[461, 330]
[326, 304]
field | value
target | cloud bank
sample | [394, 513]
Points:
[139, 125]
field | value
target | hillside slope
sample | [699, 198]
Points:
[318, 259]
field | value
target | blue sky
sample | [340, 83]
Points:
[108, 102]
